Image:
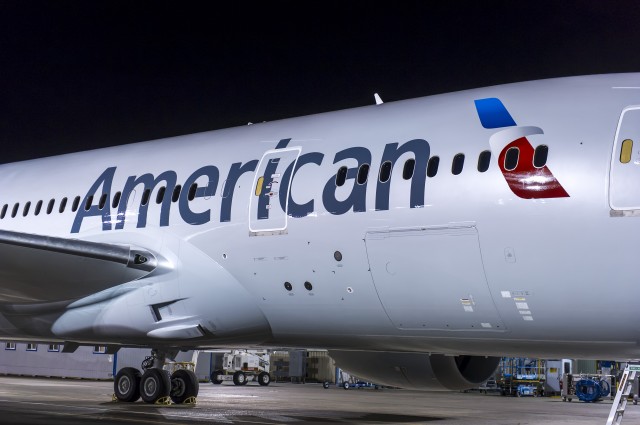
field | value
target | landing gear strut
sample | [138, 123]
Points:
[155, 385]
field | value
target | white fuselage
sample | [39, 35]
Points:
[469, 267]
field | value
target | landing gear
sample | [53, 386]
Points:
[184, 385]
[156, 385]
[126, 385]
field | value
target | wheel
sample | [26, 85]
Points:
[154, 385]
[326, 385]
[345, 385]
[215, 377]
[126, 384]
[239, 378]
[184, 385]
[264, 379]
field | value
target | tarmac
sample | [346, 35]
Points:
[65, 401]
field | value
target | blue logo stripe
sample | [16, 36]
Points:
[493, 114]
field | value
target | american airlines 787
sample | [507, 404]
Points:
[417, 240]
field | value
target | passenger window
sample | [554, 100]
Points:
[145, 196]
[160, 195]
[14, 212]
[50, 206]
[385, 171]
[457, 164]
[341, 176]
[625, 152]
[63, 204]
[176, 193]
[87, 205]
[116, 199]
[511, 159]
[38, 208]
[76, 204]
[363, 173]
[484, 160]
[103, 201]
[540, 156]
[432, 166]
[25, 211]
[192, 191]
[407, 170]
[4, 211]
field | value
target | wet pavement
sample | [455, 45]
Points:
[59, 401]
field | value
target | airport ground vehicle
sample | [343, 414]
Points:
[242, 366]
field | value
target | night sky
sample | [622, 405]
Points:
[77, 75]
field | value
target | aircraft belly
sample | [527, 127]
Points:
[432, 279]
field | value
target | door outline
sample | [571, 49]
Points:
[432, 297]
[271, 225]
[616, 184]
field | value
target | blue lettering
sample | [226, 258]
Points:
[357, 200]
[236, 171]
[105, 180]
[186, 213]
[295, 209]
[149, 183]
[421, 151]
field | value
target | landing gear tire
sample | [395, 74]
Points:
[126, 385]
[184, 385]
[264, 379]
[239, 378]
[154, 385]
[215, 377]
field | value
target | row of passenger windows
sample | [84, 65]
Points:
[175, 195]
[52, 348]
[511, 160]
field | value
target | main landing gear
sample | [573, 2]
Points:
[156, 385]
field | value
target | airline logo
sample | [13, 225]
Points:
[519, 162]
[517, 158]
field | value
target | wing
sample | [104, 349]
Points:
[37, 269]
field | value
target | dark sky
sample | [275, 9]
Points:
[76, 75]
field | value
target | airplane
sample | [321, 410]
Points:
[419, 240]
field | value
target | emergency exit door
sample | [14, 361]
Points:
[270, 199]
[624, 179]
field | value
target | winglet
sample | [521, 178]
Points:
[379, 101]
[493, 114]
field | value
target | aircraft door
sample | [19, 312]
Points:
[624, 190]
[267, 216]
[432, 279]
